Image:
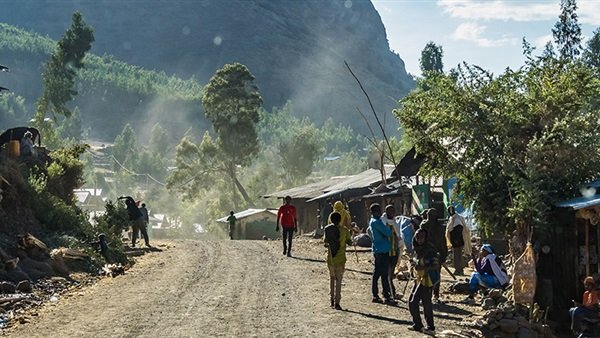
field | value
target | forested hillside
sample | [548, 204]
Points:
[111, 92]
[296, 49]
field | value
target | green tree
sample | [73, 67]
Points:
[159, 140]
[59, 73]
[12, 110]
[567, 32]
[431, 58]
[299, 151]
[517, 143]
[125, 148]
[591, 54]
[231, 102]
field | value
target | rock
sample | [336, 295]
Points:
[492, 326]
[509, 325]
[8, 287]
[488, 303]
[509, 315]
[25, 286]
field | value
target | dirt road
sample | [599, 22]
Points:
[227, 288]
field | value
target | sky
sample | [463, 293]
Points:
[485, 33]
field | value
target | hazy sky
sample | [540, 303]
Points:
[485, 33]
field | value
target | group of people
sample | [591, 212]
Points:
[421, 241]
[138, 216]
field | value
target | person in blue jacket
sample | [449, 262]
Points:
[381, 245]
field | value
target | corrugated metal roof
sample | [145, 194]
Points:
[365, 179]
[580, 202]
[338, 184]
[248, 212]
[309, 190]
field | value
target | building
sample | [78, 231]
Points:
[253, 224]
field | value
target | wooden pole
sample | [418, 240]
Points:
[587, 248]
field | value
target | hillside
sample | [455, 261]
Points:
[295, 49]
[127, 93]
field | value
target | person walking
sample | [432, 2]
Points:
[380, 235]
[286, 215]
[137, 220]
[231, 220]
[436, 236]
[336, 238]
[426, 266]
[459, 239]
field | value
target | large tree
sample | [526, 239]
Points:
[517, 143]
[59, 73]
[231, 102]
[431, 58]
[591, 54]
[566, 31]
[299, 151]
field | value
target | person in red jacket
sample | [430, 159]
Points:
[287, 217]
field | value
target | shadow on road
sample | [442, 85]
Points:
[378, 317]
[309, 259]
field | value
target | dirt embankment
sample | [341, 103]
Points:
[229, 288]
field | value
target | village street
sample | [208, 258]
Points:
[228, 288]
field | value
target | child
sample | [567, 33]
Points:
[337, 237]
[589, 307]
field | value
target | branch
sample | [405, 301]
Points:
[374, 113]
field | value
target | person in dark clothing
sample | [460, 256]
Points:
[426, 265]
[102, 246]
[137, 220]
[436, 235]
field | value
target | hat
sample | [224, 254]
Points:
[487, 248]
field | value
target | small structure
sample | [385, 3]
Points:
[253, 223]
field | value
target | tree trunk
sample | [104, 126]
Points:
[239, 186]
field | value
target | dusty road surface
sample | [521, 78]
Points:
[232, 289]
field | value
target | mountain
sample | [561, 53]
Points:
[296, 49]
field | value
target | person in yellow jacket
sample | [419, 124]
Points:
[459, 239]
[336, 238]
[339, 207]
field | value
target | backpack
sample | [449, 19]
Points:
[332, 238]
[456, 237]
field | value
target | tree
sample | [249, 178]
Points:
[431, 58]
[567, 32]
[125, 148]
[299, 151]
[231, 102]
[591, 55]
[59, 73]
[517, 143]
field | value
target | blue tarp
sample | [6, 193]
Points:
[580, 202]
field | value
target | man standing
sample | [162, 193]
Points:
[389, 219]
[287, 217]
[145, 216]
[137, 220]
[381, 246]
[231, 220]
[458, 238]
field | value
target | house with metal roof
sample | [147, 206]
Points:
[252, 224]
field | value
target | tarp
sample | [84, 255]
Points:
[580, 202]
